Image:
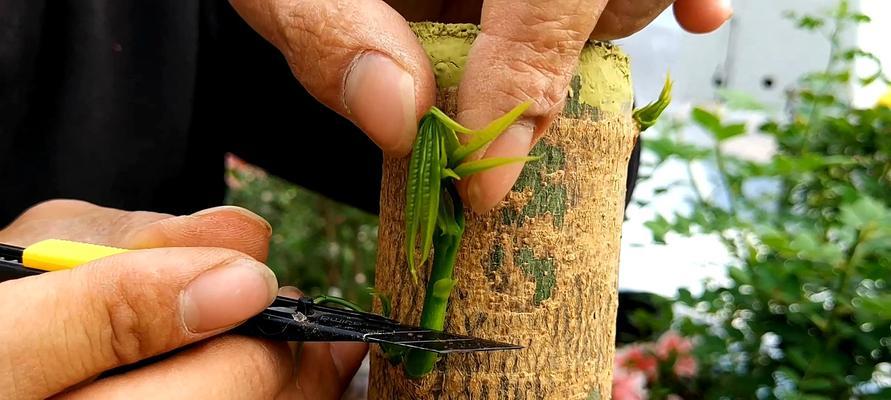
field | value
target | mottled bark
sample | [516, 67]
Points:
[541, 269]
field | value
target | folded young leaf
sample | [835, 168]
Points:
[648, 115]
[423, 164]
[432, 183]
[471, 167]
[412, 195]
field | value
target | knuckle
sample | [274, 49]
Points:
[132, 311]
[53, 206]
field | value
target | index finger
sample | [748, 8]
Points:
[526, 50]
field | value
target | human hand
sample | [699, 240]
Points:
[360, 58]
[62, 329]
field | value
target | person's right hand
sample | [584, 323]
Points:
[361, 59]
[196, 277]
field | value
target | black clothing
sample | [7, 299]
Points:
[133, 104]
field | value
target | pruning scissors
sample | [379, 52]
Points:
[300, 320]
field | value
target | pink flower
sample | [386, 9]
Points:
[629, 385]
[637, 357]
[685, 367]
[672, 343]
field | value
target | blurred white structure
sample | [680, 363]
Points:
[759, 52]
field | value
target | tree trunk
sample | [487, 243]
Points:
[541, 269]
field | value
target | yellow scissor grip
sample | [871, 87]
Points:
[55, 254]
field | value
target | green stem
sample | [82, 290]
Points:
[439, 286]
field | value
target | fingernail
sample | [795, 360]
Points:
[238, 210]
[380, 98]
[728, 9]
[290, 291]
[227, 294]
[488, 188]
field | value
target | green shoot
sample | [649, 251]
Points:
[431, 162]
[648, 115]
[434, 217]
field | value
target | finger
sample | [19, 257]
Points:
[702, 16]
[227, 227]
[74, 220]
[227, 367]
[324, 370]
[63, 327]
[358, 57]
[526, 50]
[623, 18]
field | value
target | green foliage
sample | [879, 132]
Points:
[438, 156]
[318, 245]
[806, 314]
[434, 211]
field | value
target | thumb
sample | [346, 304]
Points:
[358, 57]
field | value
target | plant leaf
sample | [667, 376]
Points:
[739, 100]
[446, 219]
[647, 116]
[707, 120]
[730, 131]
[449, 122]
[449, 173]
[472, 167]
[487, 134]
[413, 184]
[431, 195]
[418, 191]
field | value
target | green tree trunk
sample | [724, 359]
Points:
[541, 269]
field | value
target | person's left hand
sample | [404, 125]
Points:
[124, 328]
